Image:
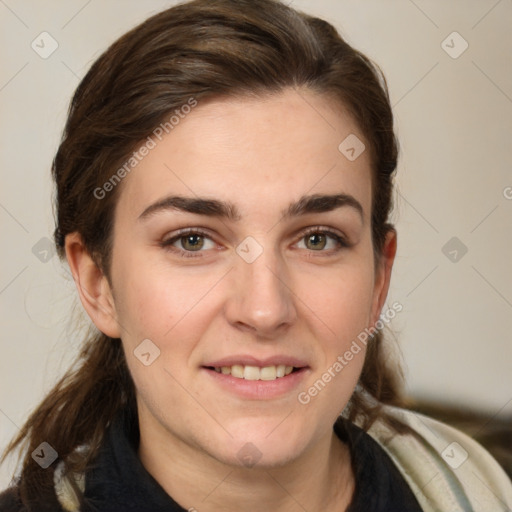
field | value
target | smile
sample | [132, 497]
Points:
[248, 372]
[257, 378]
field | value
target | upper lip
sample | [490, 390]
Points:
[248, 360]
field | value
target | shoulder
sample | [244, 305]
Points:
[445, 468]
[10, 500]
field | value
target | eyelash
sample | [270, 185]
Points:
[168, 243]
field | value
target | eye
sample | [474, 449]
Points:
[189, 241]
[322, 240]
[192, 242]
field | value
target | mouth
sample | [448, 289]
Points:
[250, 372]
[252, 378]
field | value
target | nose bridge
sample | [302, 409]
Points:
[261, 298]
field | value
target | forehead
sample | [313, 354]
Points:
[255, 153]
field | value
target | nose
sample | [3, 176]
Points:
[262, 300]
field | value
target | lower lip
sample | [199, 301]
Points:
[258, 389]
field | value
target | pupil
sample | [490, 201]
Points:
[317, 240]
[193, 242]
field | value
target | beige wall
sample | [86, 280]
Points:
[454, 120]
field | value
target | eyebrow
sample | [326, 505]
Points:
[316, 203]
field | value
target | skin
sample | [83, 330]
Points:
[297, 298]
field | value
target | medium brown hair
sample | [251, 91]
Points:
[203, 49]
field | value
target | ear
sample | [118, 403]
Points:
[383, 275]
[92, 285]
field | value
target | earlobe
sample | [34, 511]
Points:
[92, 285]
[383, 274]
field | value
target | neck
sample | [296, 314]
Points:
[319, 479]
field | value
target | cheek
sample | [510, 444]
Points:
[146, 302]
[341, 310]
[173, 312]
[340, 298]
[163, 303]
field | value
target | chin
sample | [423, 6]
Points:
[251, 455]
[261, 444]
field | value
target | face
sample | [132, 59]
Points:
[227, 259]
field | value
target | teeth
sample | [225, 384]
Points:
[255, 372]
[268, 373]
[237, 371]
[251, 373]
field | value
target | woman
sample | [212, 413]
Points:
[223, 191]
